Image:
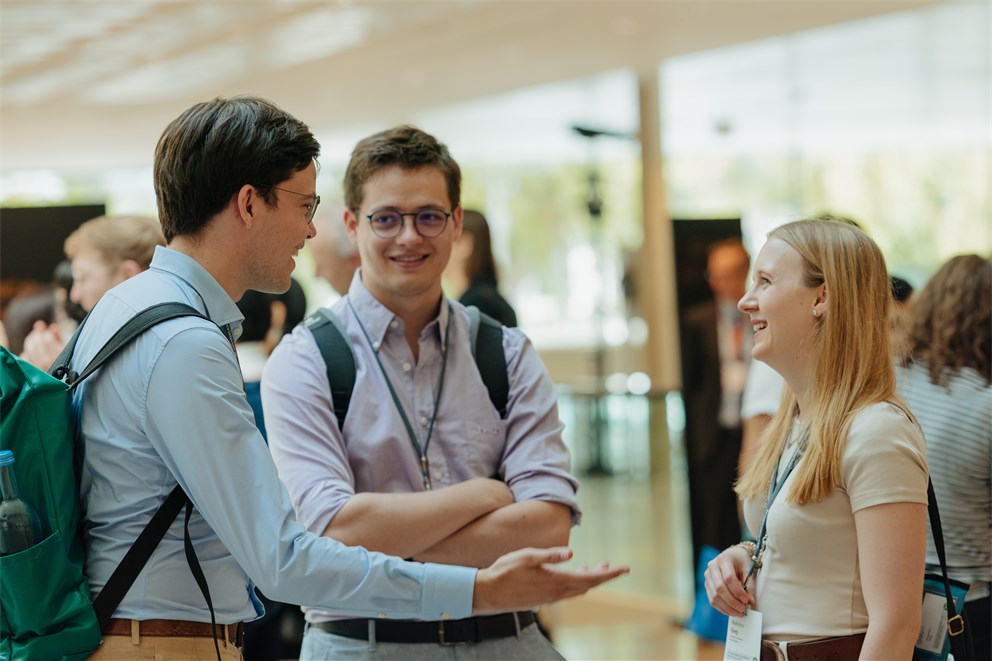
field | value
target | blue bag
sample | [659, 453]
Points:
[706, 621]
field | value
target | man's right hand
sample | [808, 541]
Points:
[528, 578]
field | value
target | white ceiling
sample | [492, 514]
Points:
[92, 84]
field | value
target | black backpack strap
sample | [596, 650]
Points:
[957, 626]
[201, 580]
[339, 358]
[134, 327]
[486, 336]
[141, 550]
[137, 556]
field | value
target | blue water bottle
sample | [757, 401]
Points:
[20, 527]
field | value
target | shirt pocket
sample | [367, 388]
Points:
[478, 450]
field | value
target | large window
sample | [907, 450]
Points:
[885, 120]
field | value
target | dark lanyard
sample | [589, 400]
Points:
[774, 487]
[421, 452]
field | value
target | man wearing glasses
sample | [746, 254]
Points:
[235, 181]
[423, 466]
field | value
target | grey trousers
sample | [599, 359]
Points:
[530, 646]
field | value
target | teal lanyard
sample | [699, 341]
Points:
[774, 487]
[421, 452]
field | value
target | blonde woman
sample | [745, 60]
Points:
[840, 570]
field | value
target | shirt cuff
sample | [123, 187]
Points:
[448, 592]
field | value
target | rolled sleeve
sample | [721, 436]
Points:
[536, 463]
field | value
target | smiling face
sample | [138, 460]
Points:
[404, 272]
[781, 308]
[282, 231]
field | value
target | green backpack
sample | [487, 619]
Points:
[486, 337]
[47, 612]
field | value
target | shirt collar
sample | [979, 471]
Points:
[378, 319]
[217, 305]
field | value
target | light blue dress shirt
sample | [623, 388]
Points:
[170, 407]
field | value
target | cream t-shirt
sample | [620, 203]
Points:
[810, 584]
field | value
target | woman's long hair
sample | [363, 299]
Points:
[481, 262]
[850, 351]
[949, 325]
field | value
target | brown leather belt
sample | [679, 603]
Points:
[842, 648]
[232, 633]
[443, 632]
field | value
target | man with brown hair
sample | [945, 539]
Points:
[104, 252]
[236, 185]
[424, 464]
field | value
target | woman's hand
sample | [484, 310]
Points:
[725, 581]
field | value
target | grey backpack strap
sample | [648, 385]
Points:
[339, 358]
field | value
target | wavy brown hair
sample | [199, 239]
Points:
[949, 324]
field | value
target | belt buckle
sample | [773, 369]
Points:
[447, 643]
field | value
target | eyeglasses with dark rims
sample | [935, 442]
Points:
[428, 223]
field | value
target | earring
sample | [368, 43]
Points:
[816, 313]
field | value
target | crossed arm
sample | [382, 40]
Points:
[471, 523]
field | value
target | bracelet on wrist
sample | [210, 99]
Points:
[750, 547]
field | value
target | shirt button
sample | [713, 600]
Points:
[407, 367]
[375, 345]
[394, 323]
[423, 421]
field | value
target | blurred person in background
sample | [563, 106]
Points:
[716, 351]
[472, 273]
[267, 318]
[103, 252]
[946, 376]
[335, 257]
[838, 488]
[25, 311]
[49, 305]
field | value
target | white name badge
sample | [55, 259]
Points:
[934, 623]
[744, 638]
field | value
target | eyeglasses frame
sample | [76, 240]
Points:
[416, 227]
[316, 199]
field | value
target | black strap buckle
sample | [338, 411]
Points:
[64, 374]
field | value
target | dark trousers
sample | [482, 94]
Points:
[979, 616]
[712, 501]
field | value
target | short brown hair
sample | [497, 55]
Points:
[117, 239]
[214, 148]
[405, 146]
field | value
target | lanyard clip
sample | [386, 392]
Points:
[425, 470]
